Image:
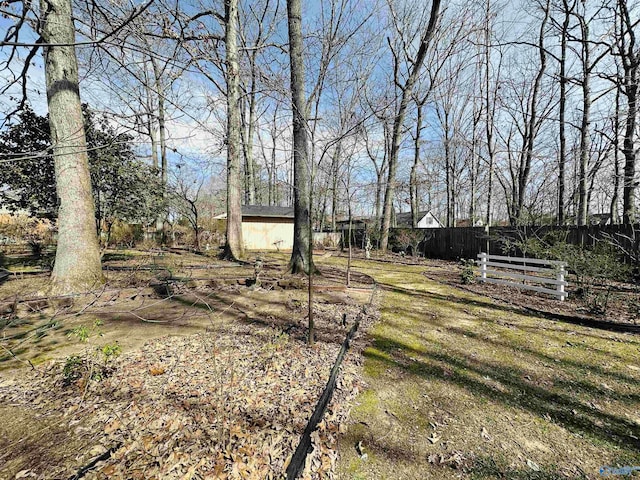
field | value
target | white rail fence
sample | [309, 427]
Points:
[547, 272]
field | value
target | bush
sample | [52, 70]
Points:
[35, 233]
[600, 264]
[125, 234]
[74, 369]
[467, 274]
[409, 239]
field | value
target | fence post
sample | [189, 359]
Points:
[560, 286]
[483, 266]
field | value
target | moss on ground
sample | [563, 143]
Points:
[462, 387]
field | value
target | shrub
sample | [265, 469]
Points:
[125, 235]
[95, 362]
[467, 274]
[600, 264]
[73, 369]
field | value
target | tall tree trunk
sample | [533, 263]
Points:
[247, 145]
[151, 125]
[449, 178]
[301, 255]
[77, 265]
[413, 178]
[162, 223]
[398, 123]
[630, 57]
[585, 140]
[334, 190]
[629, 152]
[234, 248]
[475, 164]
[154, 146]
[161, 119]
[563, 106]
[532, 124]
[490, 110]
[272, 173]
[616, 161]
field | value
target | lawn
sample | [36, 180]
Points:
[461, 386]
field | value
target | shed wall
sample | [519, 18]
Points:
[267, 235]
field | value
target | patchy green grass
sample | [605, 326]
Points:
[461, 387]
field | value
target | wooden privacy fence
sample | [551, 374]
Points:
[544, 275]
[467, 242]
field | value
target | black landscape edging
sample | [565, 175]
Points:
[296, 465]
[89, 466]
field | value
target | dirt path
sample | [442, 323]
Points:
[460, 387]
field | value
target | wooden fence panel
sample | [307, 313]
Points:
[467, 242]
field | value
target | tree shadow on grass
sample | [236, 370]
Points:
[477, 377]
[418, 315]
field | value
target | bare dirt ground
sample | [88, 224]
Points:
[462, 386]
[214, 380]
[615, 302]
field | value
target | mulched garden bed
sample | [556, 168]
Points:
[224, 404]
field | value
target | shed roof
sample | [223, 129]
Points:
[267, 211]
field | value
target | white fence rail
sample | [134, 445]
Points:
[549, 272]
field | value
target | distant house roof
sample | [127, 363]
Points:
[267, 211]
[404, 218]
[356, 220]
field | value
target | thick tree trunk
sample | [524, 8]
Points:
[234, 247]
[398, 123]
[77, 265]
[301, 255]
[162, 223]
[630, 57]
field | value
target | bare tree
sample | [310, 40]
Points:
[406, 90]
[187, 191]
[301, 254]
[234, 247]
[629, 54]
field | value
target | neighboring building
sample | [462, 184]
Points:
[467, 222]
[426, 219]
[266, 228]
